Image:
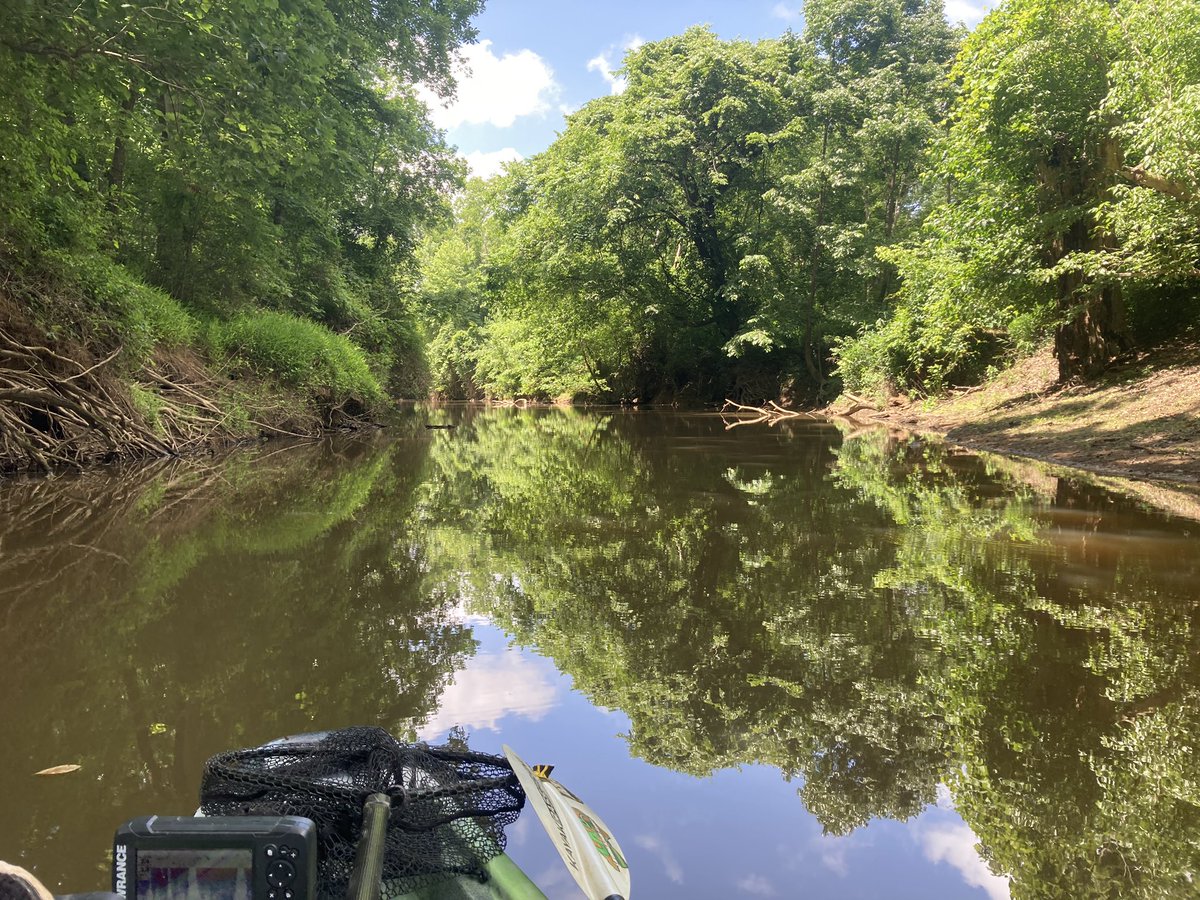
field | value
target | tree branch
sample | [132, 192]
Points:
[1139, 177]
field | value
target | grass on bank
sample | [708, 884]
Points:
[298, 352]
[181, 372]
[103, 306]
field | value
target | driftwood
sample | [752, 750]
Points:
[771, 414]
[57, 412]
[857, 405]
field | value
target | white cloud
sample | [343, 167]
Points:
[655, 845]
[955, 844]
[969, 11]
[485, 165]
[603, 63]
[945, 799]
[557, 884]
[495, 90]
[757, 884]
[786, 12]
[518, 832]
[833, 853]
[492, 686]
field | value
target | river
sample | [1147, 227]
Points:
[781, 662]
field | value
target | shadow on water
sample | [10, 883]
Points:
[150, 621]
[877, 618]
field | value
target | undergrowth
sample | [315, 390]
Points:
[188, 375]
[297, 351]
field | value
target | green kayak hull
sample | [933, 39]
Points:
[505, 882]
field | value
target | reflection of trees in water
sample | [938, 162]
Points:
[873, 617]
[152, 620]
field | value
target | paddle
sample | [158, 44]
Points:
[580, 836]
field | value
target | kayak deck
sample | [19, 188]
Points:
[505, 881]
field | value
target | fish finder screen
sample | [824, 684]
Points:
[194, 875]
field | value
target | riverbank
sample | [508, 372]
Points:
[96, 366]
[1140, 420]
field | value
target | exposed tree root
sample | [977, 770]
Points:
[55, 411]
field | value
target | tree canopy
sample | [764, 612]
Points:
[239, 156]
[880, 201]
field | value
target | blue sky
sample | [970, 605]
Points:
[537, 60]
[740, 833]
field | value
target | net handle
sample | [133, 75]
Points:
[368, 860]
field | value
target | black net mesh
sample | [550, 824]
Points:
[449, 805]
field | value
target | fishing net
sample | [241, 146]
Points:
[449, 806]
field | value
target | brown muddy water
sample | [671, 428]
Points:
[785, 662]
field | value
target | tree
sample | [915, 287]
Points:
[704, 232]
[1064, 199]
[234, 154]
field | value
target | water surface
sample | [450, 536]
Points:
[784, 662]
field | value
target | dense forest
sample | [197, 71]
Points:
[219, 202]
[881, 200]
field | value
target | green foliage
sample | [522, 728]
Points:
[148, 404]
[1154, 100]
[298, 352]
[1067, 198]
[958, 309]
[230, 155]
[453, 294]
[831, 207]
[85, 297]
[719, 228]
[147, 317]
[714, 222]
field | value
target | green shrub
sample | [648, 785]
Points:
[157, 316]
[876, 360]
[929, 353]
[123, 307]
[297, 351]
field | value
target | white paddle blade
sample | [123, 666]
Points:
[582, 839]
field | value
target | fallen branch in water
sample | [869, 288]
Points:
[772, 414]
[857, 405]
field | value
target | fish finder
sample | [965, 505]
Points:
[216, 858]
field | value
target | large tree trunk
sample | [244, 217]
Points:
[1093, 331]
[1093, 337]
[116, 169]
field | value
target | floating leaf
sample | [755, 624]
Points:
[59, 770]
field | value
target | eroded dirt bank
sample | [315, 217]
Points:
[1140, 420]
